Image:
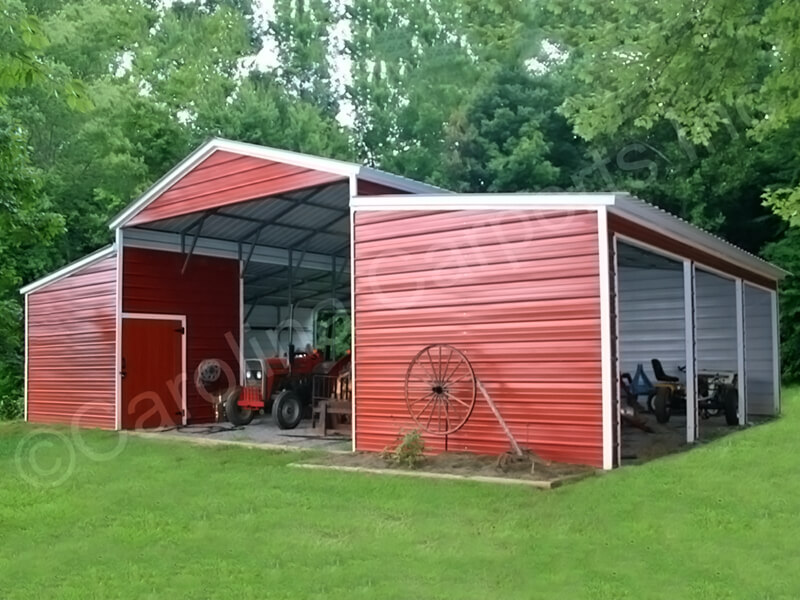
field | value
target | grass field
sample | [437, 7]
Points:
[163, 520]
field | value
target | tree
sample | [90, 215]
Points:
[27, 222]
[708, 68]
[411, 68]
[511, 138]
[302, 33]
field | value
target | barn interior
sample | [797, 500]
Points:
[708, 331]
[294, 255]
[651, 325]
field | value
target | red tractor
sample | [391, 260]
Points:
[282, 385]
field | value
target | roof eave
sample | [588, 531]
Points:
[627, 204]
[68, 269]
[327, 165]
[403, 184]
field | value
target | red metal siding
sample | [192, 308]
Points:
[516, 291]
[370, 188]
[208, 294]
[225, 178]
[72, 347]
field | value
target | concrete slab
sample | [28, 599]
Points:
[261, 431]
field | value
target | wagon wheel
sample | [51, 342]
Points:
[440, 389]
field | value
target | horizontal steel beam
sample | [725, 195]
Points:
[136, 237]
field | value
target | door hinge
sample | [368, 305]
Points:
[180, 330]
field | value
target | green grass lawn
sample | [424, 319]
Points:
[171, 520]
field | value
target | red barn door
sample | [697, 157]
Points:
[152, 372]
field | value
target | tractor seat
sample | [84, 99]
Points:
[660, 374]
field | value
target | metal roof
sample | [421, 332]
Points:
[312, 220]
[353, 171]
[268, 285]
[620, 203]
[68, 269]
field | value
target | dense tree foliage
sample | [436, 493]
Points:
[692, 105]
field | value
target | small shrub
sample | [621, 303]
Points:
[409, 451]
[11, 407]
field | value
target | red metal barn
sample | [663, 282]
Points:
[238, 249]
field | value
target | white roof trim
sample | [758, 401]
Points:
[518, 201]
[67, 270]
[326, 165]
[618, 203]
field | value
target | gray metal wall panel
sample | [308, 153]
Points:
[651, 323]
[715, 322]
[758, 355]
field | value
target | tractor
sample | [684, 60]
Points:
[282, 385]
[717, 395]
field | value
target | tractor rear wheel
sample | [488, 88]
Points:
[287, 410]
[730, 405]
[237, 415]
[662, 404]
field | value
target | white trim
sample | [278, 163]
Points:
[118, 333]
[67, 270]
[757, 286]
[691, 351]
[316, 163]
[740, 350]
[677, 257]
[716, 272]
[25, 375]
[521, 201]
[649, 248]
[353, 316]
[170, 242]
[617, 367]
[607, 368]
[184, 373]
[241, 323]
[153, 316]
[776, 353]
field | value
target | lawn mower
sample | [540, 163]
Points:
[716, 391]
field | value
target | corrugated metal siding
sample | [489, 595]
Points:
[225, 178]
[516, 291]
[758, 351]
[715, 322]
[208, 294]
[72, 348]
[651, 319]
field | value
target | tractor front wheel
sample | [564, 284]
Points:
[662, 404]
[237, 415]
[287, 410]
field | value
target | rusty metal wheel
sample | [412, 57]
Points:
[440, 389]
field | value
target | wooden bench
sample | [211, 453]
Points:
[327, 416]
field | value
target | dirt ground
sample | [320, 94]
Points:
[639, 446]
[465, 464]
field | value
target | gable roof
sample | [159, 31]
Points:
[316, 163]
